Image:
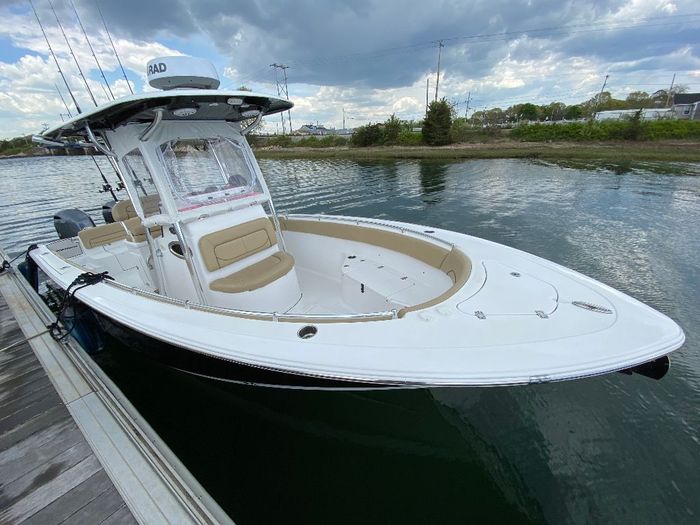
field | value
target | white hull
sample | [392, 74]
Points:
[514, 321]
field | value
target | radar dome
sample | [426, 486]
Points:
[182, 72]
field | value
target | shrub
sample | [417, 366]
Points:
[409, 138]
[368, 135]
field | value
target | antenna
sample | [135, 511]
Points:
[63, 100]
[283, 90]
[73, 54]
[113, 48]
[80, 23]
[70, 92]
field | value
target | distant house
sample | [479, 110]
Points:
[686, 106]
[311, 129]
[647, 114]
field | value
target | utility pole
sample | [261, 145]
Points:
[343, 119]
[466, 111]
[427, 89]
[437, 82]
[282, 89]
[600, 95]
[670, 91]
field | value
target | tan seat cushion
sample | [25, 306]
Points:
[425, 251]
[136, 231]
[256, 275]
[458, 267]
[124, 210]
[219, 249]
[101, 235]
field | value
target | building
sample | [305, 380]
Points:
[647, 114]
[311, 129]
[686, 106]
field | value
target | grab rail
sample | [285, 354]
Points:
[357, 221]
[261, 316]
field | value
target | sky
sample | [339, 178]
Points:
[364, 60]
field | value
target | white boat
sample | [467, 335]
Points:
[220, 283]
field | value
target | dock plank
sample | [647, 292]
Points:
[74, 502]
[48, 471]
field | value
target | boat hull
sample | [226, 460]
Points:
[518, 319]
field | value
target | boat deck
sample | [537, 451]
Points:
[48, 471]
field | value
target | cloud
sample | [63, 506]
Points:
[370, 56]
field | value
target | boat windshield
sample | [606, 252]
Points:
[202, 172]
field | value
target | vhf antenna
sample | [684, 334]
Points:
[80, 70]
[113, 48]
[70, 92]
[80, 23]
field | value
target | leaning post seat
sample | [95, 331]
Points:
[101, 235]
[236, 243]
[124, 211]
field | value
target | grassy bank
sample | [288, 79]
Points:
[672, 151]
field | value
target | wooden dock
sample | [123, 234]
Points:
[72, 448]
[48, 472]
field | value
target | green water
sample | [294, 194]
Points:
[614, 449]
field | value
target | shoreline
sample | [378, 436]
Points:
[626, 151]
[672, 151]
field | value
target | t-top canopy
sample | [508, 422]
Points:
[181, 104]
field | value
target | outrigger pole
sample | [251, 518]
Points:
[70, 92]
[80, 23]
[113, 48]
[80, 70]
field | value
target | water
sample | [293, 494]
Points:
[614, 449]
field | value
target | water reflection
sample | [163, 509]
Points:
[432, 180]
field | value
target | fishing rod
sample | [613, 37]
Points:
[80, 70]
[113, 48]
[106, 187]
[70, 92]
[63, 100]
[80, 23]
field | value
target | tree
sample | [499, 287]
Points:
[638, 100]
[664, 97]
[573, 113]
[552, 111]
[392, 128]
[528, 112]
[438, 121]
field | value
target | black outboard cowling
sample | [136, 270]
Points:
[107, 211]
[69, 222]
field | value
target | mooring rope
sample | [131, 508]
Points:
[22, 341]
[82, 281]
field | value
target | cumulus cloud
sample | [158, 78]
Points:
[370, 57]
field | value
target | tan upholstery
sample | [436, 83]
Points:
[137, 233]
[453, 262]
[101, 235]
[458, 267]
[219, 249]
[424, 251]
[256, 275]
[124, 210]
